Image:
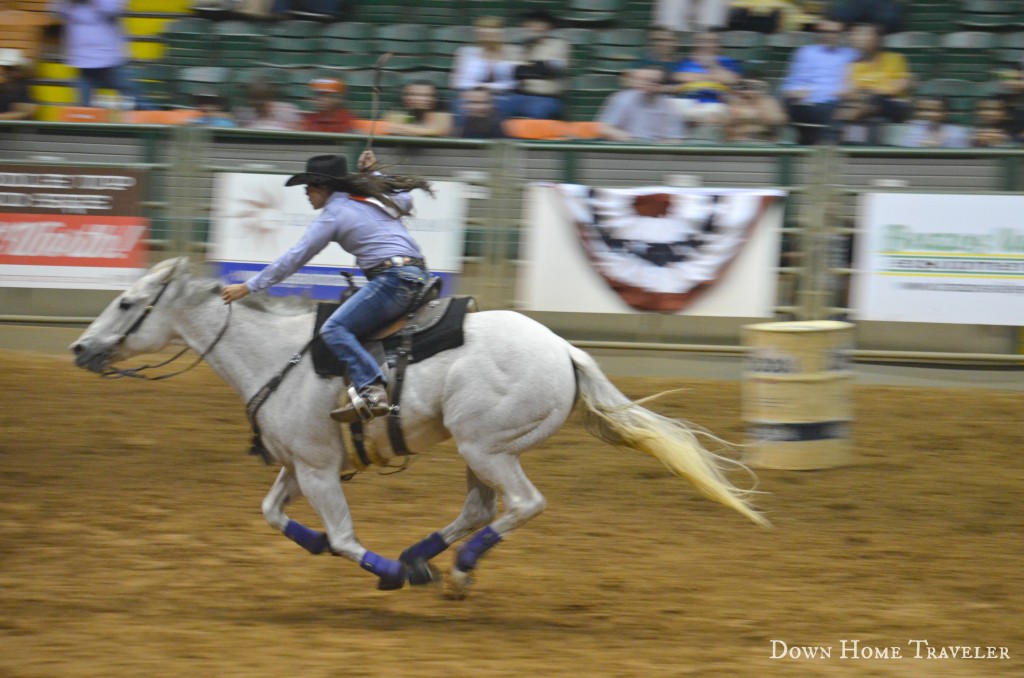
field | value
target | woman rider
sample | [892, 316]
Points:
[361, 213]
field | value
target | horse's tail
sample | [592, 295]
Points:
[614, 418]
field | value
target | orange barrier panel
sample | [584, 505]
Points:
[585, 130]
[363, 126]
[173, 117]
[84, 114]
[531, 128]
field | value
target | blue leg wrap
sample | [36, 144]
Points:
[391, 572]
[473, 549]
[424, 550]
[311, 540]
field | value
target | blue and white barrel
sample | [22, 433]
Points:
[798, 394]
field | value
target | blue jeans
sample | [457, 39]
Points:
[532, 106]
[115, 78]
[377, 303]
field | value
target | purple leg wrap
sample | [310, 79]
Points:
[477, 545]
[311, 540]
[391, 572]
[424, 550]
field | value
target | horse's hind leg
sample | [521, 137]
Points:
[480, 507]
[523, 501]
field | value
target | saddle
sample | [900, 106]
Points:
[434, 326]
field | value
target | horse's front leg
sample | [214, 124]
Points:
[322, 487]
[284, 490]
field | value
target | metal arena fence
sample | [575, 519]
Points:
[819, 226]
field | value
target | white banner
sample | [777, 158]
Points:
[940, 259]
[256, 218]
[691, 251]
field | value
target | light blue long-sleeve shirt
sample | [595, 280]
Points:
[821, 70]
[93, 36]
[361, 228]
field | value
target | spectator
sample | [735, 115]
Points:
[928, 128]
[540, 75]
[704, 79]
[264, 111]
[662, 52]
[876, 87]
[753, 113]
[990, 127]
[885, 13]
[480, 119]
[1012, 87]
[490, 63]
[422, 114]
[15, 99]
[329, 113]
[641, 112]
[212, 111]
[814, 82]
[95, 44]
[691, 15]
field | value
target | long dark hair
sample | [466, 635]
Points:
[380, 187]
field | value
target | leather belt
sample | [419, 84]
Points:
[395, 262]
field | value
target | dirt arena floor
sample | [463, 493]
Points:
[132, 544]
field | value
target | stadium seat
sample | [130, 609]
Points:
[968, 54]
[592, 12]
[988, 14]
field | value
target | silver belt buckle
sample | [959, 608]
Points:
[397, 261]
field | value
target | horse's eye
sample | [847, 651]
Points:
[125, 304]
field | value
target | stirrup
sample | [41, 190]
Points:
[358, 409]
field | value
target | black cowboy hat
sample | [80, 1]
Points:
[321, 169]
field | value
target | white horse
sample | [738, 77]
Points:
[510, 386]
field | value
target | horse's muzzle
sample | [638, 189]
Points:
[91, 359]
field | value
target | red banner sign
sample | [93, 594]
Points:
[74, 226]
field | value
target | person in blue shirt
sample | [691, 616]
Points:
[704, 79]
[362, 213]
[212, 111]
[814, 82]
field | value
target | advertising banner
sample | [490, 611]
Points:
[256, 218]
[72, 227]
[690, 251]
[940, 259]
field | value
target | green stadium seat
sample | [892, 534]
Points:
[969, 55]
[349, 30]
[592, 12]
[989, 14]
[920, 49]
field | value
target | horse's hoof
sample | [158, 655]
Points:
[456, 583]
[422, 572]
[393, 580]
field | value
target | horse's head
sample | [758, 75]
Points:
[136, 321]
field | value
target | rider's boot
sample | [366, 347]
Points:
[371, 402]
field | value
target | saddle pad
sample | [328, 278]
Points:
[441, 336]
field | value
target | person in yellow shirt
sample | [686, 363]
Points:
[877, 83]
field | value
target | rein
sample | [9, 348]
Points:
[252, 407]
[135, 372]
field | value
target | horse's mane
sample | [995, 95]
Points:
[199, 290]
[284, 306]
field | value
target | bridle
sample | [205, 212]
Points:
[135, 372]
